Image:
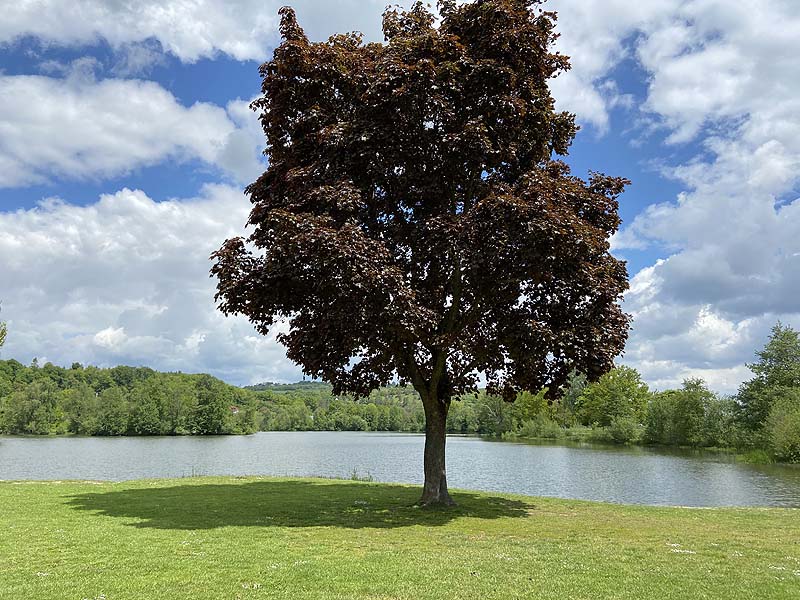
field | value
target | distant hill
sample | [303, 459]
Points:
[300, 386]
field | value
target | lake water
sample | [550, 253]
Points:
[626, 475]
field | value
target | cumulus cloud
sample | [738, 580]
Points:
[242, 152]
[593, 35]
[724, 75]
[110, 338]
[713, 62]
[189, 30]
[125, 281]
[76, 127]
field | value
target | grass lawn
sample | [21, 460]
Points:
[314, 538]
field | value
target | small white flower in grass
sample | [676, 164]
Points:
[40, 574]
[251, 586]
[682, 551]
[297, 563]
[506, 557]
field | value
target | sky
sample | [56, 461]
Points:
[126, 141]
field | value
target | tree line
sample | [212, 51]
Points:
[763, 417]
[118, 401]
[618, 408]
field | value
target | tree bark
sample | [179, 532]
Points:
[435, 491]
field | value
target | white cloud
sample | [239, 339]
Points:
[125, 281]
[724, 75]
[665, 375]
[242, 153]
[137, 59]
[110, 337]
[593, 35]
[191, 29]
[79, 128]
[712, 60]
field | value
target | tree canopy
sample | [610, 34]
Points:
[769, 403]
[119, 401]
[776, 371]
[413, 225]
[617, 394]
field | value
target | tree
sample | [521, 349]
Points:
[719, 424]
[691, 404]
[783, 426]
[777, 372]
[212, 408]
[462, 418]
[33, 409]
[147, 409]
[494, 415]
[112, 416]
[620, 393]
[690, 416]
[81, 408]
[570, 396]
[528, 406]
[179, 402]
[413, 225]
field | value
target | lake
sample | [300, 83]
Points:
[623, 475]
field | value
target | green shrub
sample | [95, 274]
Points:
[625, 430]
[690, 416]
[541, 426]
[599, 435]
[783, 426]
[658, 420]
[756, 457]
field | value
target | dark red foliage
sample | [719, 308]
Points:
[412, 222]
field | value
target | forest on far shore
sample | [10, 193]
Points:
[763, 418]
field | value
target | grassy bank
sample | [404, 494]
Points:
[313, 538]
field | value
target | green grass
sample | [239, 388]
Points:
[324, 539]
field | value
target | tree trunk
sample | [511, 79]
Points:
[434, 491]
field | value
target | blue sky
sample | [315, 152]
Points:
[126, 140]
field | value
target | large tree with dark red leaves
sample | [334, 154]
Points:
[413, 225]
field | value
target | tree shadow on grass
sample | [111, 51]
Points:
[280, 503]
